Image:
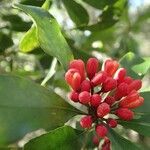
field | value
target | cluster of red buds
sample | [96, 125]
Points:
[104, 92]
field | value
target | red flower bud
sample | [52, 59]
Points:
[131, 101]
[96, 140]
[121, 75]
[121, 91]
[106, 144]
[86, 86]
[91, 67]
[109, 84]
[86, 122]
[99, 78]
[73, 78]
[74, 96]
[103, 109]
[101, 130]
[95, 100]
[112, 122]
[78, 65]
[110, 67]
[127, 80]
[135, 85]
[84, 97]
[124, 114]
[110, 100]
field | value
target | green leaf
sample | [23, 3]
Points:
[49, 34]
[100, 4]
[136, 66]
[16, 23]
[30, 41]
[120, 143]
[26, 106]
[141, 125]
[5, 41]
[34, 3]
[76, 12]
[107, 20]
[142, 67]
[145, 107]
[64, 138]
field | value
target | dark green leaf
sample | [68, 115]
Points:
[5, 41]
[34, 3]
[49, 34]
[64, 138]
[30, 41]
[76, 12]
[100, 4]
[120, 143]
[26, 106]
[16, 23]
[133, 64]
[141, 125]
[107, 20]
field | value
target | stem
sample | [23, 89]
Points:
[51, 72]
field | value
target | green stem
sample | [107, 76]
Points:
[51, 72]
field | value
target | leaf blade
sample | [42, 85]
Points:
[64, 137]
[49, 35]
[29, 107]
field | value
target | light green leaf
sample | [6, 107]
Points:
[136, 66]
[30, 41]
[49, 34]
[120, 143]
[142, 67]
[64, 138]
[76, 12]
[26, 106]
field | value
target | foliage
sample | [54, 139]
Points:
[29, 50]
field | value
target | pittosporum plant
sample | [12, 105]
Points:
[80, 84]
[106, 91]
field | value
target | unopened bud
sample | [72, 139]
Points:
[103, 109]
[110, 67]
[125, 114]
[92, 67]
[80, 66]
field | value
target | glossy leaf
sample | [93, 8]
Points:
[49, 34]
[141, 125]
[26, 106]
[76, 12]
[133, 64]
[64, 138]
[30, 40]
[120, 143]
